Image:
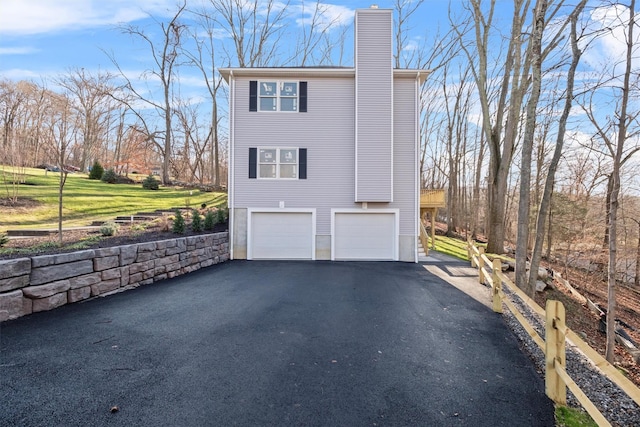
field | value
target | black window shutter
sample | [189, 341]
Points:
[253, 96]
[303, 97]
[253, 163]
[302, 164]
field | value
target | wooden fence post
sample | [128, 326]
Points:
[497, 285]
[555, 329]
[480, 265]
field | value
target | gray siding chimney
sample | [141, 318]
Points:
[374, 105]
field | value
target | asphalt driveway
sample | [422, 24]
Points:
[272, 343]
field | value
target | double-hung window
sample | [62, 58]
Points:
[288, 96]
[278, 163]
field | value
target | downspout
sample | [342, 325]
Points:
[416, 184]
[231, 182]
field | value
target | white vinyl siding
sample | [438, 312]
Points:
[281, 235]
[405, 154]
[326, 131]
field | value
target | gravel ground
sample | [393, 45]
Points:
[610, 400]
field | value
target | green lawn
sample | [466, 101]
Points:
[451, 246]
[87, 200]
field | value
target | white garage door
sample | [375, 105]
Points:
[366, 236]
[281, 235]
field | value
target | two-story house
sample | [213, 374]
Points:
[324, 160]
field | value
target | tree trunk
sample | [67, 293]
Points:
[607, 209]
[636, 280]
[527, 150]
[615, 175]
[545, 203]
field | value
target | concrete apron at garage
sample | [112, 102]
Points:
[272, 343]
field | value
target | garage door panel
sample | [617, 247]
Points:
[370, 236]
[278, 235]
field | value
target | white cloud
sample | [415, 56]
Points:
[20, 17]
[18, 50]
[17, 74]
[610, 47]
[328, 15]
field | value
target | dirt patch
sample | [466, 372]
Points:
[23, 202]
[585, 322]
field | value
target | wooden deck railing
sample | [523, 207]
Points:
[556, 333]
[432, 198]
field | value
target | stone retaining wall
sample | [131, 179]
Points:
[40, 283]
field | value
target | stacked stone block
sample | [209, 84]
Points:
[40, 283]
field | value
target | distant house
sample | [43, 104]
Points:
[324, 160]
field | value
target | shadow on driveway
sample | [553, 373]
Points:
[272, 343]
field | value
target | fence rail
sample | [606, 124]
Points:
[557, 380]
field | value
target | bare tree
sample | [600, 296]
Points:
[494, 123]
[316, 36]
[93, 104]
[62, 131]
[545, 203]
[522, 243]
[204, 58]
[164, 57]
[405, 54]
[255, 27]
[617, 150]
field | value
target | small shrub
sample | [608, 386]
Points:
[96, 171]
[178, 223]
[109, 228]
[196, 221]
[223, 214]
[210, 220]
[3, 239]
[139, 227]
[203, 206]
[150, 183]
[109, 176]
[162, 223]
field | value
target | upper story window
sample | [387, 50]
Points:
[277, 95]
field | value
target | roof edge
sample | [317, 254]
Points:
[226, 73]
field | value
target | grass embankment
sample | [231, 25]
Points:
[86, 200]
[451, 246]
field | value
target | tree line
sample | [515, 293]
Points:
[529, 117]
[532, 126]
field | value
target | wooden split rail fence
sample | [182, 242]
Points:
[557, 380]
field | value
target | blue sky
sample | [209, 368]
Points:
[45, 38]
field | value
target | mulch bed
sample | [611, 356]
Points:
[91, 239]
